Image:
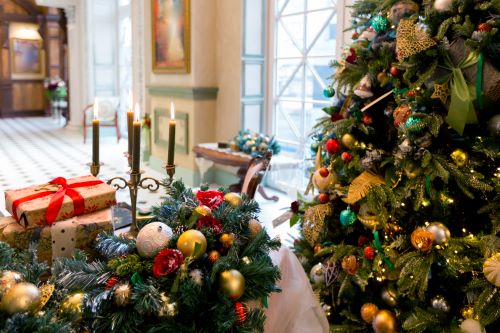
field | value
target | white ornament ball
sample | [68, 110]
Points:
[152, 238]
[491, 269]
[442, 5]
[323, 184]
[472, 326]
[316, 274]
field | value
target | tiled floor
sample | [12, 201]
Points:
[35, 150]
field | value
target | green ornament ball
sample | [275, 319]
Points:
[314, 147]
[347, 217]
[329, 92]
[411, 124]
[379, 23]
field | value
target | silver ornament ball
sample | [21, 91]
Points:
[8, 279]
[441, 232]
[152, 238]
[389, 296]
[439, 303]
[494, 125]
[316, 274]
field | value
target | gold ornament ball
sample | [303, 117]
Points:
[232, 283]
[349, 141]
[21, 297]
[226, 240]
[350, 264]
[369, 218]
[122, 294]
[491, 269]
[203, 210]
[384, 322]
[368, 312]
[440, 231]
[389, 296]
[255, 227]
[8, 279]
[459, 157]
[317, 248]
[73, 305]
[187, 243]
[213, 256]
[468, 312]
[422, 240]
[234, 199]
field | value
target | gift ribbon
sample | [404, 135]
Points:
[378, 246]
[56, 201]
[461, 109]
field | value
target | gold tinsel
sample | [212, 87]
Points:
[361, 185]
[314, 221]
[441, 91]
[411, 40]
[45, 293]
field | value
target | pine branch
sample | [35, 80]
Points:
[413, 278]
[79, 275]
[110, 245]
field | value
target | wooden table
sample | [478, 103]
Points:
[226, 156]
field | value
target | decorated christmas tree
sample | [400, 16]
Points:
[202, 265]
[404, 233]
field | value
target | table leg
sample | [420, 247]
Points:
[203, 164]
[262, 192]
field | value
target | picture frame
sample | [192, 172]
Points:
[26, 56]
[161, 119]
[170, 31]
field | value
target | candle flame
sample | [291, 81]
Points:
[96, 108]
[137, 112]
[172, 111]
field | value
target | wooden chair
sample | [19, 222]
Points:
[256, 170]
[108, 115]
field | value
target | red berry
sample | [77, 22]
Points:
[362, 240]
[332, 145]
[346, 157]
[369, 253]
[324, 172]
[355, 35]
[367, 119]
[411, 93]
[394, 71]
[324, 198]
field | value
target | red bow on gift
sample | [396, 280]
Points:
[57, 199]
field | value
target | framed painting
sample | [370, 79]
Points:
[171, 36]
[26, 56]
[160, 123]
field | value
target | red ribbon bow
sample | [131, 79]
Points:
[57, 199]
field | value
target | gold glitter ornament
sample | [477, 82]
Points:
[460, 157]
[491, 269]
[122, 294]
[255, 227]
[8, 279]
[369, 218]
[468, 312]
[411, 40]
[350, 264]
[226, 240]
[368, 312]
[384, 322]
[213, 256]
[46, 292]
[234, 199]
[22, 297]
[422, 240]
[314, 221]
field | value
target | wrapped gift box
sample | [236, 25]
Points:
[60, 239]
[79, 196]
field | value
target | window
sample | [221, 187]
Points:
[304, 46]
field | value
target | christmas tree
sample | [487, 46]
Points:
[404, 233]
[203, 265]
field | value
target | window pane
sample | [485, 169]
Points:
[294, 27]
[289, 121]
[317, 78]
[318, 4]
[289, 78]
[253, 27]
[252, 117]
[285, 45]
[253, 80]
[294, 6]
[317, 24]
[326, 43]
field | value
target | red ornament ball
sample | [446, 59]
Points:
[355, 35]
[369, 253]
[336, 116]
[346, 157]
[324, 198]
[332, 146]
[394, 71]
[111, 282]
[241, 312]
[485, 27]
[367, 119]
[324, 172]
[411, 93]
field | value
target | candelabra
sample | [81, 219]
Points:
[134, 183]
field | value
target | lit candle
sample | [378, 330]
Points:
[95, 133]
[171, 135]
[130, 120]
[136, 147]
